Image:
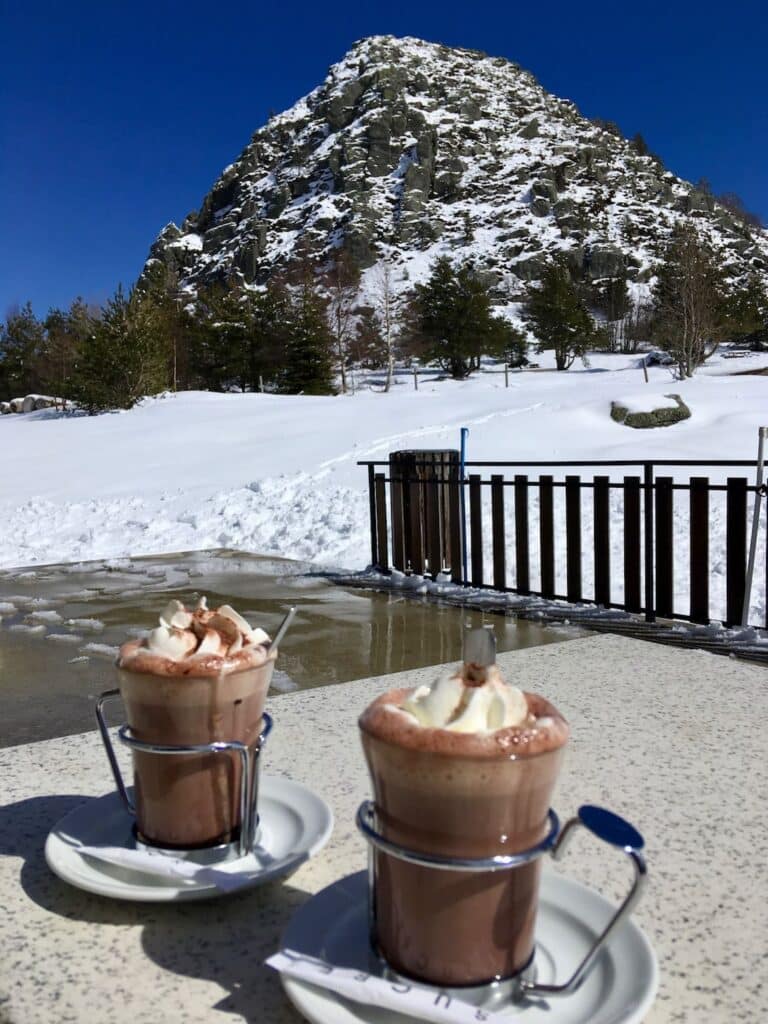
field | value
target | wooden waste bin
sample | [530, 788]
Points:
[425, 508]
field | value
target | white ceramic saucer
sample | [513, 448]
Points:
[333, 925]
[294, 825]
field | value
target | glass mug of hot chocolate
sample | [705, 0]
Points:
[200, 678]
[463, 773]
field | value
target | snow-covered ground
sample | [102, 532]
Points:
[278, 475]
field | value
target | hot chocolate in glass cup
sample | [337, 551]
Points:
[200, 677]
[464, 768]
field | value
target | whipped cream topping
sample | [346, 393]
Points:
[207, 638]
[460, 703]
[219, 631]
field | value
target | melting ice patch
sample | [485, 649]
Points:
[101, 650]
[46, 616]
[90, 625]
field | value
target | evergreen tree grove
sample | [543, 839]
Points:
[66, 332]
[123, 358]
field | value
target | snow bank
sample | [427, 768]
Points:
[278, 475]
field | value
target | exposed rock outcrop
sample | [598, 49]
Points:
[405, 143]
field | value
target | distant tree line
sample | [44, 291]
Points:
[307, 333]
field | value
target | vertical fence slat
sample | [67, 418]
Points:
[632, 601]
[547, 536]
[601, 512]
[396, 505]
[664, 546]
[735, 548]
[699, 549]
[372, 513]
[497, 523]
[476, 528]
[432, 519]
[414, 539]
[522, 557]
[382, 558]
[650, 614]
[448, 505]
[573, 537]
[454, 520]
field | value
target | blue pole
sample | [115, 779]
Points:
[462, 463]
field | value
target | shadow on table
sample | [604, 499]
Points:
[24, 827]
[226, 942]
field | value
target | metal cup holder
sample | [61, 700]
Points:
[249, 778]
[603, 824]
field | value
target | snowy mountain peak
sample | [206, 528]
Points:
[410, 149]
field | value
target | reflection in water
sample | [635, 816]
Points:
[61, 626]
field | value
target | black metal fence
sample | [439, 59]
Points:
[480, 530]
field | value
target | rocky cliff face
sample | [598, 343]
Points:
[410, 149]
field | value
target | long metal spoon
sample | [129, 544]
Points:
[283, 628]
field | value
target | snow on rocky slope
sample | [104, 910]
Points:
[278, 475]
[411, 149]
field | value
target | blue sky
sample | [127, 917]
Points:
[116, 118]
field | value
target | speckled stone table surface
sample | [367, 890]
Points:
[675, 740]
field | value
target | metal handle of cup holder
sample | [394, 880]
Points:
[248, 777]
[103, 699]
[616, 832]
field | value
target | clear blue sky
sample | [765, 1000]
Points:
[117, 117]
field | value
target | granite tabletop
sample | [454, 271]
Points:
[672, 739]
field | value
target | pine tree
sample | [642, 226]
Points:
[267, 318]
[558, 317]
[745, 309]
[239, 337]
[308, 364]
[123, 358]
[218, 350]
[688, 300]
[369, 348]
[451, 320]
[639, 145]
[22, 342]
[65, 333]
[516, 347]
[159, 287]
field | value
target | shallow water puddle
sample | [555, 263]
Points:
[61, 626]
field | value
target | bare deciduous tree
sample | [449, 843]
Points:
[688, 301]
[384, 302]
[637, 327]
[342, 282]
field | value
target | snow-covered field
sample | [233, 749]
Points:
[278, 475]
